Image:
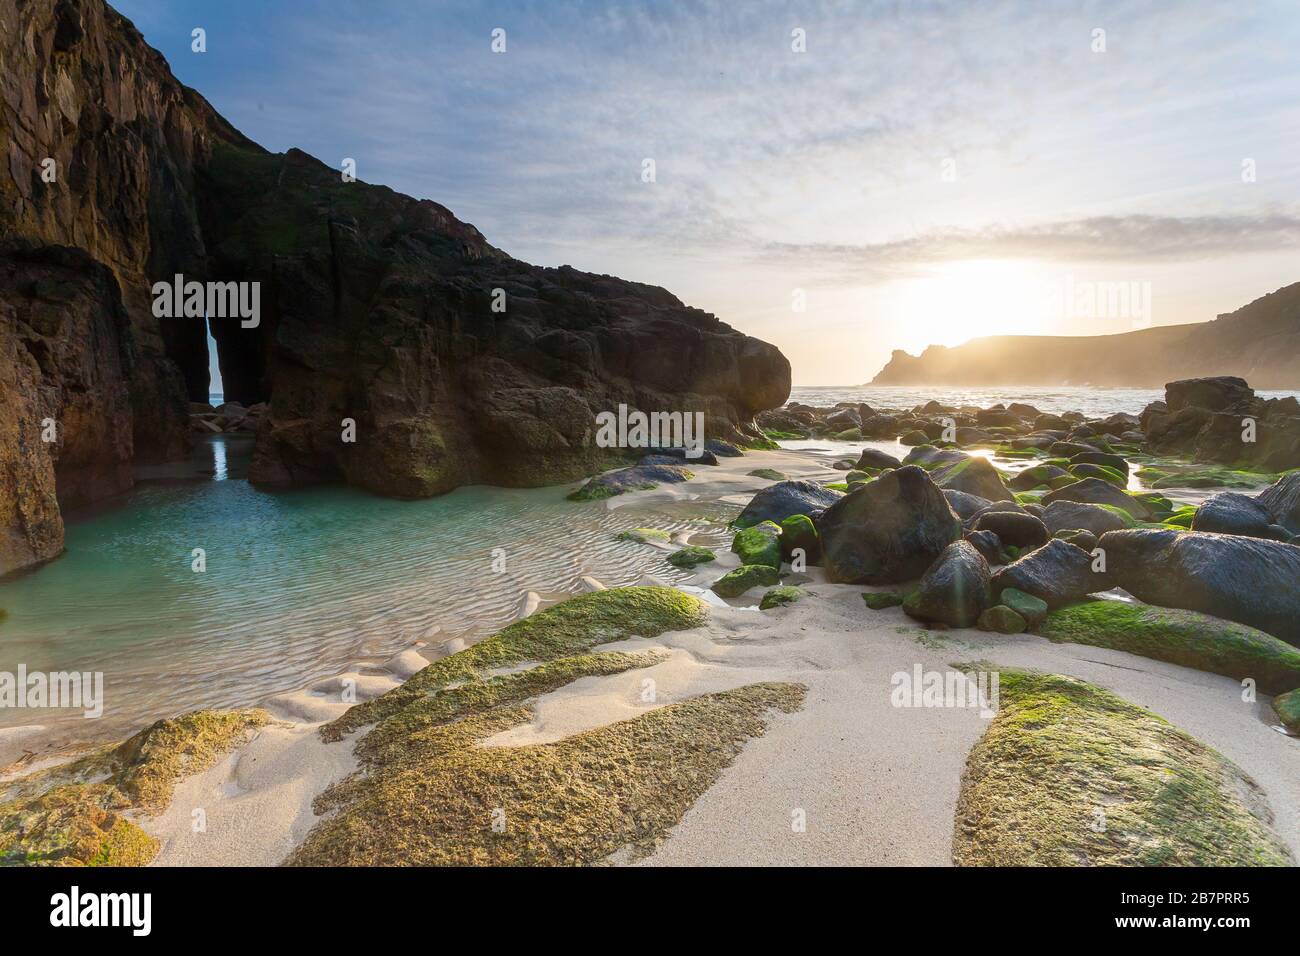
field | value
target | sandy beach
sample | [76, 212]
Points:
[847, 779]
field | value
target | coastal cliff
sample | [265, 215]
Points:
[453, 362]
[1259, 342]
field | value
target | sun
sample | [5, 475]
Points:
[967, 300]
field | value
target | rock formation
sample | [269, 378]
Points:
[1260, 342]
[457, 363]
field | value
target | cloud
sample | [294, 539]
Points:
[1135, 239]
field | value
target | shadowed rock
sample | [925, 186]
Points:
[1247, 580]
[1014, 529]
[1232, 513]
[888, 530]
[954, 590]
[1077, 515]
[1098, 492]
[786, 498]
[1057, 573]
[1282, 499]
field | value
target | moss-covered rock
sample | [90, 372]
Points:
[643, 535]
[1181, 637]
[1105, 473]
[771, 474]
[735, 583]
[779, 597]
[799, 532]
[760, 544]
[1001, 619]
[569, 628]
[1032, 609]
[915, 437]
[431, 795]
[1287, 707]
[74, 814]
[691, 556]
[1069, 774]
[879, 600]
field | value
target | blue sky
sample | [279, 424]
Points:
[923, 172]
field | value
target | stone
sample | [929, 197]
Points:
[1032, 610]
[785, 498]
[888, 530]
[954, 590]
[759, 544]
[1248, 580]
[1001, 619]
[1057, 574]
[1017, 530]
[735, 583]
[1064, 515]
[1098, 492]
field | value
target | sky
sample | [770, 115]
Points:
[841, 179]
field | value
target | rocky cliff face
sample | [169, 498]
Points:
[1259, 342]
[376, 309]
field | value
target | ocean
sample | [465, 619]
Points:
[1094, 402]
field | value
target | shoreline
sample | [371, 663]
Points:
[902, 768]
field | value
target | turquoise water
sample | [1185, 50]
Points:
[299, 586]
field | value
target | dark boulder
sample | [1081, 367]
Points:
[988, 544]
[1068, 449]
[975, 476]
[1118, 462]
[928, 456]
[844, 419]
[1036, 475]
[1016, 530]
[1247, 580]
[688, 456]
[785, 498]
[636, 478]
[874, 458]
[1098, 492]
[1057, 573]
[1282, 499]
[954, 590]
[966, 506]
[1218, 394]
[1071, 515]
[1231, 513]
[888, 530]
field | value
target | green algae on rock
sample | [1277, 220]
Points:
[771, 474]
[690, 556]
[73, 814]
[643, 535]
[568, 628]
[879, 600]
[1287, 707]
[735, 583]
[759, 544]
[432, 794]
[781, 596]
[1069, 774]
[1001, 619]
[1181, 637]
[1032, 609]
